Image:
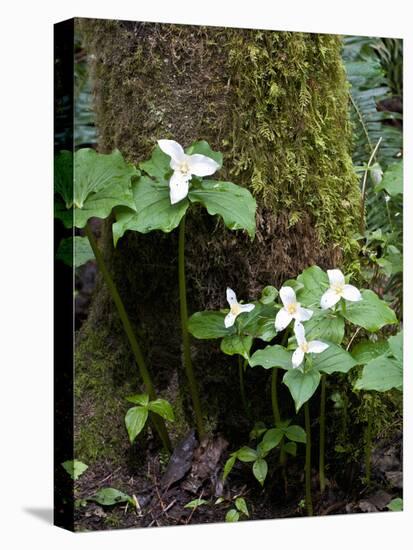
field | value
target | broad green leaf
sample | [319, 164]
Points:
[258, 429]
[260, 470]
[370, 313]
[101, 182]
[381, 374]
[158, 166]
[259, 323]
[268, 295]
[135, 420]
[296, 433]
[392, 181]
[163, 408]
[237, 344]
[365, 351]
[207, 325]
[74, 468]
[153, 210]
[272, 438]
[139, 399]
[195, 503]
[233, 203]
[75, 248]
[396, 346]
[395, 505]
[241, 505]
[333, 359]
[246, 454]
[291, 448]
[325, 325]
[272, 356]
[302, 385]
[315, 283]
[232, 516]
[203, 148]
[229, 464]
[109, 497]
[63, 179]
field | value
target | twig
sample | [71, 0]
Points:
[363, 188]
[193, 510]
[352, 338]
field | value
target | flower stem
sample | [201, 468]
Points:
[193, 387]
[241, 368]
[308, 499]
[137, 352]
[322, 422]
[368, 441]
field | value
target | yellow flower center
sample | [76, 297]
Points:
[304, 347]
[291, 308]
[338, 288]
[184, 168]
[235, 309]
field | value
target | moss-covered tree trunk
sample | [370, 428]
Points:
[275, 103]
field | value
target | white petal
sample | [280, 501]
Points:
[351, 293]
[178, 188]
[329, 299]
[229, 320]
[246, 307]
[282, 319]
[200, 165]
[335, 277]
[287, 295]
[303, 314]
[299, 333]
[316, 346]
[173, 149]
[297, 357]
[231, 297]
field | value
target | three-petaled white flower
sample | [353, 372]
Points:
[338, 289]
[315, 346]
[291, 310]
[184, 167]
[235, 308]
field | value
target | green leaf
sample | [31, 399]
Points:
[365, 351]
[333, 359]
[260, 470]
[63, 179]
[203, 148]
[207, 325]
[158, 166]
[296, 433]
[272, 439]
[325, 325]
[268, 295]
[395, 505]
[258, 429]
[291, 448]
[135, 421]
[195, 503]
[109, 497]
[163, 408]
[396, 346]
[229, 464]
[74, 468]
[315, 282]
[237, 344]
[246, 454]
[153, 210]
[233, 203]
[101, 182]
[370, 313]
[259, 323]
[241, 505]
[392, 181]
[381, 374]
[302, 385]
[138, 399]
[232, 516]
[272, 356]
[77, 248]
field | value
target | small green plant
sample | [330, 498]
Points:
[137, 416]
[395, 505]
[75, 468]
[241, 509]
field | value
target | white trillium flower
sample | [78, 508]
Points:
[184, 167]
[315, 346]
[291, 310]
[338, 289]
[235, 307]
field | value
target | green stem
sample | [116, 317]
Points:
[193, 387]
[137, 352]
[241, 368]
[308, 498]
[322, 433]
[368, 441]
